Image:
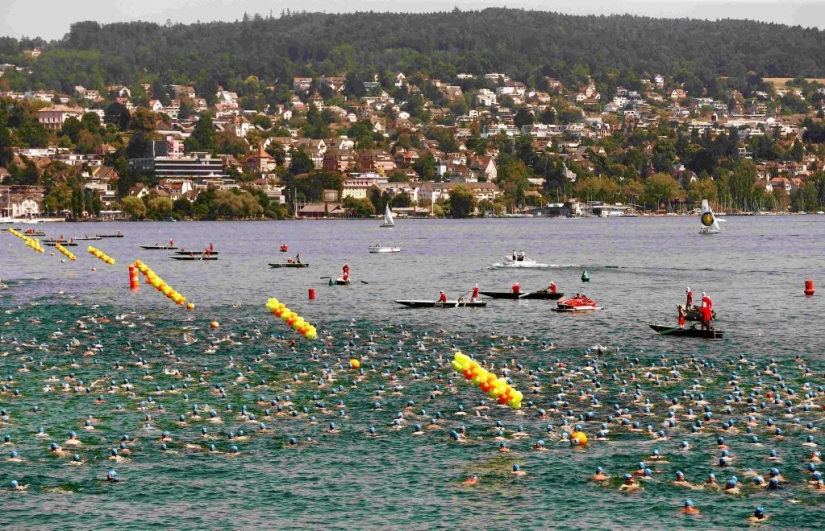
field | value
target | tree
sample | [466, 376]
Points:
[523, 117]
[702, 189]
[118, 115]
[159, 207]
[133, 207]
[661, 188]
[301, 163]
[203, 136]
[359, 208]
[462, 201]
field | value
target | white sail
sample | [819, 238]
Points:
[388, 221]
[710, 223]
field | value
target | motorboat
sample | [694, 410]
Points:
[375, 248]
[693, 331]
[460, 303]
[518, 263]
[710, 223]
[577, 304]
[388, 221]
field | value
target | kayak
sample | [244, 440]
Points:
[688, 332]
[437, 304]
[288, 265]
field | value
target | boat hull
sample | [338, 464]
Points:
[194, 258]
[158, 248]
[383, 250]
[576, 309]
[276, 266]
[437, 304]
[110, 235]
[196, 253]
[539, 295]
[688, 332]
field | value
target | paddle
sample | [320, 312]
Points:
[324, 278]
[363, 282]
[460, 299]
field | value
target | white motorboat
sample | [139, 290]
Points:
[523, 263]
[710, 223]
[31, 221]
[388, 221]
[375, 248]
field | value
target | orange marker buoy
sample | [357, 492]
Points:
[809, 287]
[311, 294]
[213, 324]
[190, 306]
[93, 269]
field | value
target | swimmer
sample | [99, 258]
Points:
[472, 480]
[629, 484]
[517, 471]
[111, 477]
[599, 475]
[680, 480]
[732, 486]
[758, 515]
[689, 508]
[14, 485]
[502, 447]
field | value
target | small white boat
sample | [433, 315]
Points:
[388, 221]
[525, 263]
[710, 223]
[375, 248]
[31, 221]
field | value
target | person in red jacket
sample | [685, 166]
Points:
[516, 288]
[705, 313]
[474, 297]
[706, 300]
[442, 297]
[689, 301]
[345, 273]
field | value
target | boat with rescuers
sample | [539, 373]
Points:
[289, 264]
[540, 295]
[460, 303]
[527, 263]
[577, 304]
[198, 258]
[693, 331]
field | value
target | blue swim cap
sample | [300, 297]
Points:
[626, 476]
[14, 484]
[688, 503]
[516, 468]
[599, 470]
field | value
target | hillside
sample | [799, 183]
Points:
[520, 43]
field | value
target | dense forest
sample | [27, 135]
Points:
[523, 44]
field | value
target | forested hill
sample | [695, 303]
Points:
[520, 43]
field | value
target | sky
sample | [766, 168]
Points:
[50, 19]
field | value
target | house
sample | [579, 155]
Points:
[240, 126]
[322, 210]
[435, 192]
[376, 160]
[314, 148]
[335, 83]
[260, 161]
[678, 94]
[21, 201]
[400, 79]
[155, 106]
[485, 166]
[339, 160]
[301, 84]
[53, 117]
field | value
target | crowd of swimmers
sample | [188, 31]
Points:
[660, 399]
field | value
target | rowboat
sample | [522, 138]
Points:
[182, 252]
[52, 243]
[293, 264]
[578, 304]
[375, 248]
[110, 235]
[34, 233]
[688, 332]
[194, 258]
[693, 313]
[438, 304]
[87, 238]
[158, 247]
[543, 295]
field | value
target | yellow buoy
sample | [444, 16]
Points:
[355, 364]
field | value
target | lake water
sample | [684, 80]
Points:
[639, 268]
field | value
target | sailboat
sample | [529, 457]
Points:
[388, 221]
[710, 223]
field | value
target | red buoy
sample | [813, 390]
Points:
[809, 287]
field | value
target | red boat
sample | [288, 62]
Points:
[284, 247]
[577, 304]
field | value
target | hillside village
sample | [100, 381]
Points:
[342, 146]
